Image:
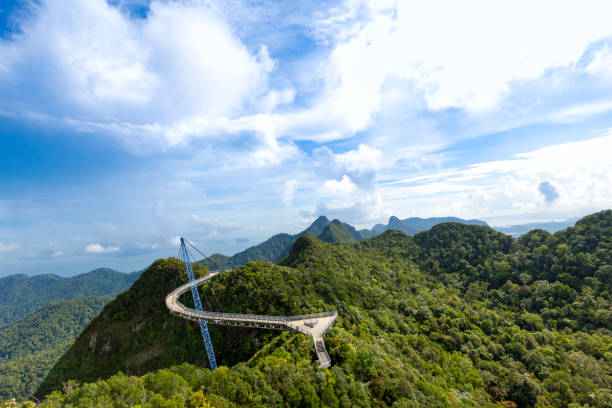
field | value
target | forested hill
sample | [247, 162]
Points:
[22, 294]
[459, 315]
[338, 233]
[30, 346]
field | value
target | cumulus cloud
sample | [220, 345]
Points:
[182, 72]
[340, 189]
[363, 158]
[99, 249]
[465, 57]
[177, 72]
[548, 191]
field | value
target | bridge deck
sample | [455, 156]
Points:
[314, 325]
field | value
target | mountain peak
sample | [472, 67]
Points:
[336, 232]
[321, 219]
[316, 227]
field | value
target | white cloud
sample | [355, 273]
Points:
[180, 66]
[339, 189]
[289, 191]
[276, 98]
[601, 63]
[175, 241]
[99, 249]
[464, 57]
[183, 72]
[8, 247]
[364, 158]
[580, 173]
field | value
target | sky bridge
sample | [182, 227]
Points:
[314, 325]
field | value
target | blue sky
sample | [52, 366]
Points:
[125, 124]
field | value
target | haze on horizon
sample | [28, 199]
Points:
[125, 124]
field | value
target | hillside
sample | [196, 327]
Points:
[22, 294]
[457, 316]
[30, 346]
[126, 335]
[336, 232]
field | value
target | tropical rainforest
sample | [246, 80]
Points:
[455, 316]
[22, 294]
[30, 346]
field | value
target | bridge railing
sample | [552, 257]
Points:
[328, 324]
[235, 316]
[312, 315]
[241, 316]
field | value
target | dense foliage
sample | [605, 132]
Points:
[134, 333]
[22, 294]
[336, 232]
[457, 316]
[30, 346]
[561, 281]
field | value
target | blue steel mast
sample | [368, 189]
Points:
[198, 305]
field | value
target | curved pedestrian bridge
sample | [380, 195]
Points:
[314, 325]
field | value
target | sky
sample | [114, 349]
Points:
[126, 124]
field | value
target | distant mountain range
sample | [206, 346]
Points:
[22, 294]
[414, 225]
[550, 226]
[277, 247]
[273, 249]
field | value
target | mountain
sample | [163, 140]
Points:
[337, 232]
[277, 247]
[459, 315]
[315, 228]
[550, 226]
[272, 250]
[414, 225]
[22, 294]
[29, 347]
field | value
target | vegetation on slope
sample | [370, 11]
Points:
[134, 332]
[404, 337]
[336, 232]
[22, 294]
[30, 346]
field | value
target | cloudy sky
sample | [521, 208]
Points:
[124, 124]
